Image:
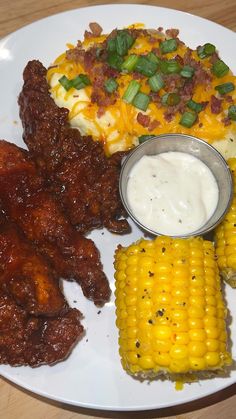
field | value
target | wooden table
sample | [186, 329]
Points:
[16, 403]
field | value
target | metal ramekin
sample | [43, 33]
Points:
[191, 145]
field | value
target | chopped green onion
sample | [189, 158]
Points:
[115, 61]
[156, 82]
[141, 101]
[111, 45]
[110, 85]
[130, 62]
[232, 112]
[153, 57]
[188, 119]
[170, 99]
[219, 68]
[169, 45]
[194, 106]
[170, 67]
[80, 81]
[187, 72]
[131, 91]
[205, 50]
[143, 138]
[225, 88]
[121, 43]
[65, 82]
[146, 67]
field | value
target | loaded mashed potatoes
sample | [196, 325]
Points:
[135, 82]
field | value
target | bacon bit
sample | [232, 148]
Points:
[172, 33]
[179, 59]
[226, 121]
[216, 105]
[95, 28]
[160, 29]
[101, 111]
[143, 120]
[228, 99]
[89, 60]
[75, 54]
[138, 76]
[153, 124]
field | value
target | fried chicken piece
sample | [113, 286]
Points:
[33, 341]
[26, 275]
[26, 202]
[85, 181]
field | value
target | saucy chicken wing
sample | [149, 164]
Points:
[84, 180]
[26, 275]
[25, 200]
[29, 340]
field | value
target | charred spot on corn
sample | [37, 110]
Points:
[175, 321]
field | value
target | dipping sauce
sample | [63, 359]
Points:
[172, 193]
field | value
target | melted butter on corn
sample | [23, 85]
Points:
[169, 307]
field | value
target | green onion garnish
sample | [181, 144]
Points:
[169, 45]
[121, 43]
[143, 138]
[194, 106]
[115, 61]
[170, 67]
[131, 91]
[219, 68]
[153, 57]
[232, 112]
[80, 81]
[205, 50]
[225, 88]
[110, 85]
[65, 82]
[188, 119]
[156, 82]
[111, 45]
[130, 62]
[146, 67]
[170, 99]
[187, 72]
[141, 101]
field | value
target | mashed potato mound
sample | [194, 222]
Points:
[121, 59]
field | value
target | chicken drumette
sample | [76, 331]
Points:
[26, 201]
[85, 181]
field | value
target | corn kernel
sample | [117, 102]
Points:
[197, 349]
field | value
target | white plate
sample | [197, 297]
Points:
[92, 376]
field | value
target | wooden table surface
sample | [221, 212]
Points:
[19, 404]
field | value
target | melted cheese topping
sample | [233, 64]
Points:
[118, 128]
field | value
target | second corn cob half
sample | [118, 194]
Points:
[169, 306]
[225, 237]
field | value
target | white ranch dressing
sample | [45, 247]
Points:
[172, 193]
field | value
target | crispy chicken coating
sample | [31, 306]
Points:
[33, 341]
[26, 275]
[25, 200]
[85, 181]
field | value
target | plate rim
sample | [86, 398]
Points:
[27, 386]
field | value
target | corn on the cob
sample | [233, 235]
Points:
[169, 307]
[225, 237]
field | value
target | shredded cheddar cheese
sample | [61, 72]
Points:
[118, 127]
